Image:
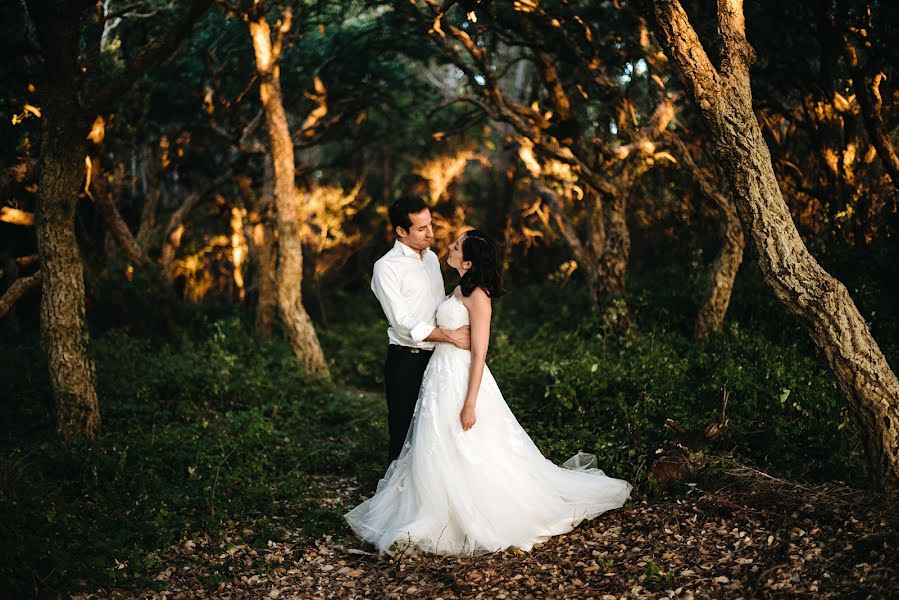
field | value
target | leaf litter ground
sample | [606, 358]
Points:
[751, 536]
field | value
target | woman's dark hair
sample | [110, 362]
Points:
[486, 265]
[403, 207]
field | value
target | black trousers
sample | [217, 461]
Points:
[403, 372]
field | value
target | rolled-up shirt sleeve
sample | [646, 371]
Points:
[386, 286]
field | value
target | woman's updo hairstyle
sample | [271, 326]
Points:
[486, 265]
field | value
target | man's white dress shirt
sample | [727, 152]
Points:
[409, 287]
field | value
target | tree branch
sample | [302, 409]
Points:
[736, 53]
[283, 27]
[15, 216]
[151, 53]
[680, 39]
[565, 228]
[867, 90]
[18, 289]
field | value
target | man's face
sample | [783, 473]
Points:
[420, 233]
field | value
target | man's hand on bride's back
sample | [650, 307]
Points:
[461, 337]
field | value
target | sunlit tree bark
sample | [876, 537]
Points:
[261, 246]
[294, 317]
[822, 303]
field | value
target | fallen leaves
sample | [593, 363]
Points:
[730, 544]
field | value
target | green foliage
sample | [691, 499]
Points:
[356, 346]
[219, 428]
[574, 387]
[208, 425]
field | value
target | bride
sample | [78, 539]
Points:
[469, 479]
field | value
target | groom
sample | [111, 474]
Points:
[409, 285]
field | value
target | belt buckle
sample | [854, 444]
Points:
[415, 350]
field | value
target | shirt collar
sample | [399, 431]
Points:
[407, 251]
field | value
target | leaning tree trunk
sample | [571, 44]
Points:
[297, 323]
[104, 196]
[820, 301]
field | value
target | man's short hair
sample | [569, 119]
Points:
[403, 207]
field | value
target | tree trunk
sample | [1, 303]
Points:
[604, 257]
[724, 269]
[104, 196]
[611, 264]
[64, 333]
[596, 241]
[821, 302]
[722, 273]
[261, 247]
[297, 323]
[238, 250]
[150, 187]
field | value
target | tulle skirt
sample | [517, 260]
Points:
[482, 490]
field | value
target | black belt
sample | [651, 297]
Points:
[408, 350]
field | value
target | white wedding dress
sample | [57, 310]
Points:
[486, 489]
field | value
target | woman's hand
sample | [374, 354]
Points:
[467, 417]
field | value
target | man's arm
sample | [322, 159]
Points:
[461, 337]
[386, 286]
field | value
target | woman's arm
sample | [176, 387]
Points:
[479, 312]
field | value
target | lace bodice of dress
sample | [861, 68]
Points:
[451, 313]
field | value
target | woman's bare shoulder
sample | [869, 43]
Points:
[479, 299]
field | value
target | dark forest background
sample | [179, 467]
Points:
[636, 293]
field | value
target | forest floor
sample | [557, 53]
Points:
[722, 544]
[750, 536]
